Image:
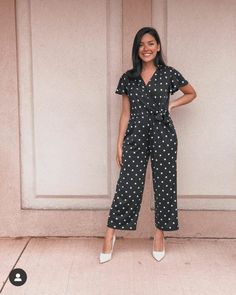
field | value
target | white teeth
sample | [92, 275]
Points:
[147, 54]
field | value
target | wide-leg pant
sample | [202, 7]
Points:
[145, 136]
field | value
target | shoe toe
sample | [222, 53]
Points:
[158, 255]
[104, 257]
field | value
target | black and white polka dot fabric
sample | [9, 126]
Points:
[150, 133]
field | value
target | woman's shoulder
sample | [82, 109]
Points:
[172, 70]
[125, 75]
[168, 68]
[130, 74]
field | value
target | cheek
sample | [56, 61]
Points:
[139, 54]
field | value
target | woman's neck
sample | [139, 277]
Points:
[149, 66]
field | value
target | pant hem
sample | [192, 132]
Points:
[168, 229]
[121, 228]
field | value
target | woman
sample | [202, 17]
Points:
[146, 129]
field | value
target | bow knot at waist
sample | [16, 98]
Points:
[161, 116]
[165, 117]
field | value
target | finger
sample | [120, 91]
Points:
[121, 160]
[117, 161]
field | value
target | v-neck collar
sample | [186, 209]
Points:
[149, 81]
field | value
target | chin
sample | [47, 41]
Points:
[147, 59]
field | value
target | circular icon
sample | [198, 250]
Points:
[17, 277]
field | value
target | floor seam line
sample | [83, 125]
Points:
[5, 281]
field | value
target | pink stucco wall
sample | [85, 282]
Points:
[38, 222]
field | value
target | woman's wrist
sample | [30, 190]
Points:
[119, 145]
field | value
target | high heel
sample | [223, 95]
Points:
[158, 255]
[104, 257]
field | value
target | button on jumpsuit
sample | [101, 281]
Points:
[150, 132]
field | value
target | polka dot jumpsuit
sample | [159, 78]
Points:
[150, 132]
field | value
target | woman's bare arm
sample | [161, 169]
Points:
[124, 119]
[189, 95]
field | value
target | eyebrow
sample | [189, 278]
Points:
[149, 41]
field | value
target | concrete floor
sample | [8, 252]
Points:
[71, 266]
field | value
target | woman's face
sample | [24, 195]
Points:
[148, 48]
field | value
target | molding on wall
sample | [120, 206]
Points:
[29, 199]
[214, 203]
[161, 21]
[158, 15]
[193, 202]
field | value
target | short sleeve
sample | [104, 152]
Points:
[122, 85]
[176, 80]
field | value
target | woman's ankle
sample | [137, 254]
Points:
[159, 233]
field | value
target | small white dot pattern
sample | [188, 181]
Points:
[148, 135]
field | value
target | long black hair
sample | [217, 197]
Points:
[137, 62]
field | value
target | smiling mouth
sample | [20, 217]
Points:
[147, 54]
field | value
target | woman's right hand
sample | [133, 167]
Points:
[119, 156]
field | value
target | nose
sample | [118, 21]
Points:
[146, 48]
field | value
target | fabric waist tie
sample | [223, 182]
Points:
[162, 117]
[158, 116]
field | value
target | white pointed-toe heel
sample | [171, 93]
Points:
[158, 255]
[104, 257]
